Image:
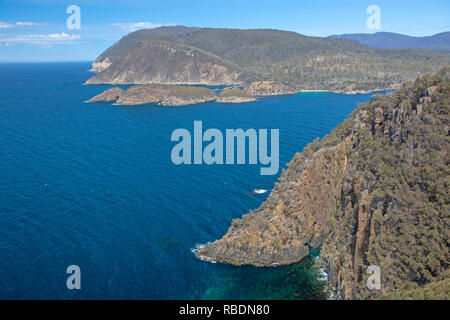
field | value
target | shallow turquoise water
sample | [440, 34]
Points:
[93, 185]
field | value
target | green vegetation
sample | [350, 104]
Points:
[235, 92]
[190, 92]
[439, 290]
[285, 57]
[389, 40]
[373, 192]
[398, 179]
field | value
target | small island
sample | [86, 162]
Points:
[171, 95]
[235, 95]
[162, 94]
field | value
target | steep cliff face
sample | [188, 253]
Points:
[156, 61]
[268, 61]
[291, 220]
[100, 64]
[374, 192]
[394, 212]
[114, 52]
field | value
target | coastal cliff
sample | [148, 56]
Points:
[113, 53]
[264, 61]
[157, 61]
[373, 192]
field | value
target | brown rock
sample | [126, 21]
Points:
[269, 88]
[158, 94]
[109, 95]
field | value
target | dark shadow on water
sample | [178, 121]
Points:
[299, 281]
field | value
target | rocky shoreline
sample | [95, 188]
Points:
[169, 95]
[182, 95]
[166, 95]
[359, 195]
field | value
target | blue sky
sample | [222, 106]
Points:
[35, 30]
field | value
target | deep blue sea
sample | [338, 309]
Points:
[93, 185]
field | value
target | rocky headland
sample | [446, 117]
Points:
[235, 95]
[161, 94]
[265, 62]
[171, 95]
[373, 192]
[166, 63]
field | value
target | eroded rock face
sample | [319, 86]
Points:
[110, 95]
[379, 208]
[114, 52]
[235, 95]
[290, 221]
[373, 192]
[167, 63]
[100, 65]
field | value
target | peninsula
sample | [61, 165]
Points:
[262, 61]
[373, 192]
[170, 95]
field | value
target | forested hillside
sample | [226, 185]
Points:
[389, 40]
[212, 56]
[373, 192]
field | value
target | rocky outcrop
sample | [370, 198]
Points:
[110, 95]
[291, 220]
[374, 192]
[171, 95]
[235, 95]
[393, 86]
[269, 88]
[100, 65]
[157, 94]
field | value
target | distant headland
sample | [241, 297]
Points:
[261, 62]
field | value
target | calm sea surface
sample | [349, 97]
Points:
[93, 185]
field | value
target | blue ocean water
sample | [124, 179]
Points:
[93, 185]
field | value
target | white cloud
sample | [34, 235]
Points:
[28, 24]
[43, 39]
[8, 25]
[133, 26]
